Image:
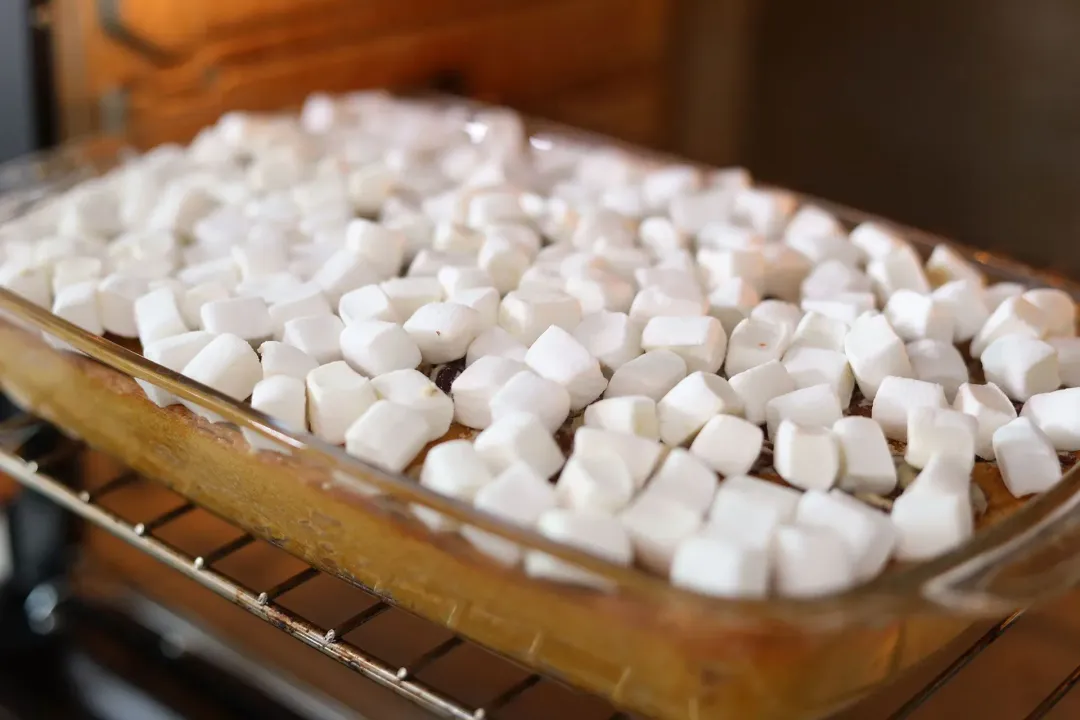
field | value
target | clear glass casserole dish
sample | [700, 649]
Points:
[648, 646]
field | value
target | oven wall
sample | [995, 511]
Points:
[17, 132]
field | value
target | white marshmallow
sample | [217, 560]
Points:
[409, 294]
[494, 206]
[599, 535]
[866, 463]
[414, 390]
[876, 240]
[766, 211]
[172, 353]
[991, 409]
[807, 457]
[1058, 307]
[938, 362]
[824, 248]
[246, 317]
[387, 435]
[366, 303]
[382, 247]
[659, 187]
[915, 317]
[1057, 414]
[157, 316]
[897, 398]
[1021, 366]
[504, 261]
[284, 399]
[632, 414]
[1014, 316]
[78, 305]
[943, 475]
[785, 270]
[443, 331]
[344, 271]
[610, 337]
[813, 366]
[729, 445]
[667, 300]
[601, 291]
[758, 385]
[374, 347]
[811, 221]
[725, 236]
[656, 526]
[226, 364]
[684, 479]
[222, 270]
[1068, 352]
[652, 375]
[519, 438]
[518, 495]
[695, 400]
[281, 359]
[700, 341]
[26, 282]
[713, 566]
[721, 266]
[780, 313]
[965, 302]
[337, 397]
[557, 356]
[846, 307]
[744, 519]
[816, 405]
[497, 342]
[116, 296]
[528, 392]
[453, 469]
[524, 236]
[693, 211]
[308, 302]
[946, 265]
[832, 277]
[732, 301]
[1026, 458]
[456, 279]
[780, 498]
[317, 335]
[755, 342]
[941, 432]
[930, 523]
[540, 278]
[428, 263]
[868, 533]
[639, 454]
[473, 389]
[899, 269]
[810, 562]
[875, 352]
[526, 314]
[1002, 291]
[595, 482]
[193, 299]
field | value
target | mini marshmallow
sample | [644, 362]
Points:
[815, 406]
[656, 526]
[899, 269]
[713, 566]
[685, 409]
[27, 282]
[222, 270]
[875, 240]
[116, 296]
[599, 535]
[284, 399]
[659, 187]
[519, 496]
[337, 397]
[942, 432]
[866, 463]
[317, 335]
[832, 277]
[1002, 291]
[602, 291]
[495, 341]
[409, 294]
[782, 499]
[729, 445]
[813, 366]
[557, 356]
[1057, 414]
[192, 300]
[780, 313]
[825, 248]
[785, 270]
[700, 341]
[473, 389]
[991, 409]
[528, 392]
[539, 278]
[758, 385]
[308, 302]
[157, 316]
[453, 469]
[246, 317]
[938, 362]
[524, 236]
[721, 266]
[725, 236]
[691, 212]
[946, 265]
[845, 306]
[731, 302]
[526, 314]
[456, 279]
[226, 364]
[897, 398]
[386, 434]
[755, 342]
[504, 262]
[443, 331]
[811, 562]
[519, 437]
[1068, 352]
[930, 523]
[639, 454]
[915, 317]
[494, 206]
[652, 375]
[965, 302]
[744, 519]
[811, 221]
[684, 479]
[413, 389]
[868, 533]
[344, 271]
[1058, 307]
[661, 300]
[610, 337]
[78, 304]
[1014, 316]
[875, 352]
[807, 457]
[366, 303]
[172, 353]
[1021, 366]
[766, 211]
[382, 247]
[595, 482]
[1026, 457]
[281, 359]
[633, 414]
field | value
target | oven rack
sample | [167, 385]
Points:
[400, 679]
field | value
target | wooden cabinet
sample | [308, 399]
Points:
[160, 69]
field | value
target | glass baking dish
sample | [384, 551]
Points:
[649, 647]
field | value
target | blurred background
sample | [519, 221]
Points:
[960, 117]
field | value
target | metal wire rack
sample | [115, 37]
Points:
[400, 678]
